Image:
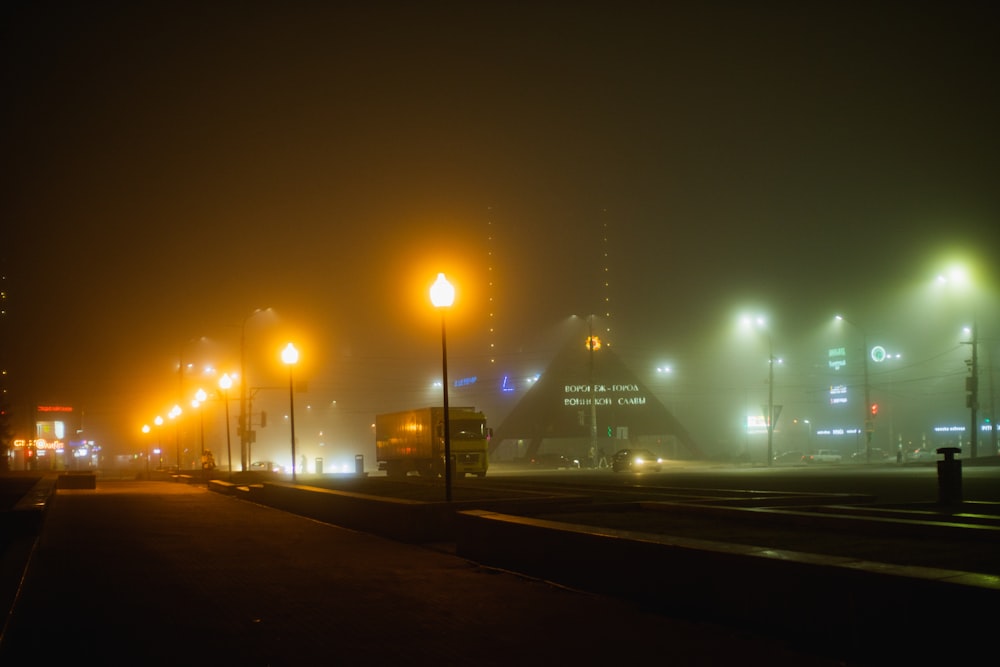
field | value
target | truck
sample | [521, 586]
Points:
[412, 441]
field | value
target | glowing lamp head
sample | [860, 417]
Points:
[442, 292]
[290, 355]
[225, 382]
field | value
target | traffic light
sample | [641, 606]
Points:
[874, 409]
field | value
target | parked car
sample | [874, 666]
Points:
[553, 461]
[636, 460]
[877, 455]
[789, 458]
[823, 456]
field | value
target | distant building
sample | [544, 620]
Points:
[588, 400]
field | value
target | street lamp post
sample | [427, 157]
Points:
[443, 296]
[225, 382]
[290, 356]
[972, 392]
[770, 400]
[761, 324]
[244, 430]
[175, 414]
[146, 430]
[159, 446]
[199, 401]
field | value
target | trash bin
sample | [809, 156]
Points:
[319, 465]
[949, 476]
[359, 464]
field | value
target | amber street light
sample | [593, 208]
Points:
[146, 430]
[159, 447]
[291, 356]
[443, 296]
[198, 403]
[225, 382]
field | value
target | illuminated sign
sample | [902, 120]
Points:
[506, 385]
[601, 394]
[465, 381]
[837, 358]
[878, 354]
[949, 429]
[756, 424]
[838, 394]
[54, 408]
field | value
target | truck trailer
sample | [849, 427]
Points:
[412, 441]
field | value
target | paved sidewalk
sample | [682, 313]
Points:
[157, 573]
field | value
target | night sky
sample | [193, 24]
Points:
[169, 167]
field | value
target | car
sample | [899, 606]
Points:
[553, 461]
[789, 458]
[878, 455]
[823, 456]
[636, 460]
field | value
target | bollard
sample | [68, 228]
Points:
[949, 477]
[319, 465]
[359, 464]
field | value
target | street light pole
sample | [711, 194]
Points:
[145, 430]
[199, 403]
[225, 382]
[291, 356]
[175, 414]
[973, 392]
[443, 296]
[770, 400]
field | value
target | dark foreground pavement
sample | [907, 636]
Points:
[155, 573]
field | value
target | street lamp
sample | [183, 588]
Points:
[175, 414]
[290, 356]
[225, 382]
[146, 430]
[159, 448]
[761, 324]
[867, 421]
[244, 430]
[443, 296]
[199, 399]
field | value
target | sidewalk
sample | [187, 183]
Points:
[170, 574]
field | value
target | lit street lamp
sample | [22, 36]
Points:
[146, 430]
[175, 414]
[771, 416]
[244, 429]
[199, 399]
[443, 296]
[225, 382]
[159, 422]
[290, 356]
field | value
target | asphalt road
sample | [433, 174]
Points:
[159, 573]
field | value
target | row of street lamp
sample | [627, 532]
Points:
[869, 409]
[442, 295]
[289, 355]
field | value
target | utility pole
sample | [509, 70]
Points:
[770, 400]
[972, 392]
[869, 416]
[593, 394]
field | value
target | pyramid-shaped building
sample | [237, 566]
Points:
[581, 388]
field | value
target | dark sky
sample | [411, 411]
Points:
[168, 167]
